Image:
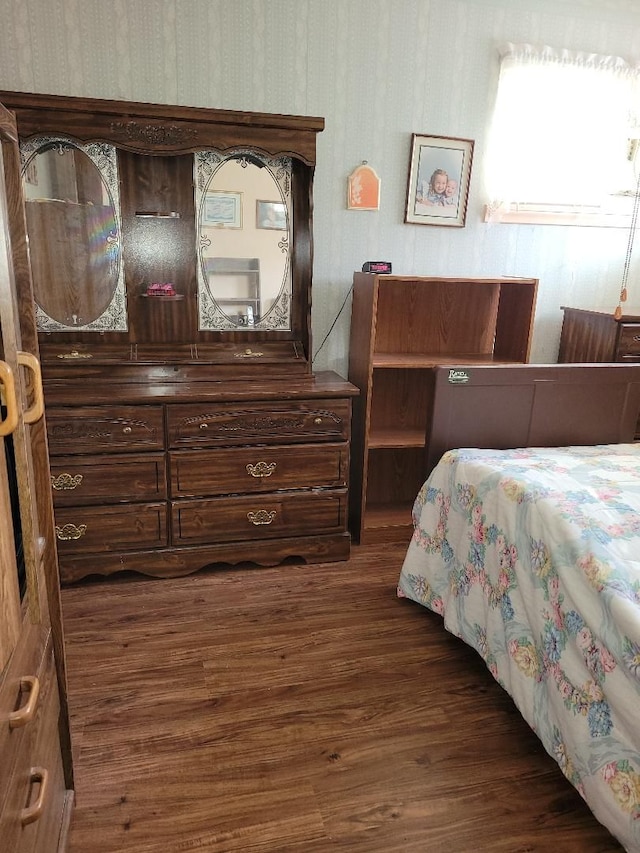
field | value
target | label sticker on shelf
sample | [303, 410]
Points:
[458, 377]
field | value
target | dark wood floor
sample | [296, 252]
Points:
[300, 708]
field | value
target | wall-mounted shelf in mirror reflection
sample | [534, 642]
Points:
[154, 298]
[157, 214]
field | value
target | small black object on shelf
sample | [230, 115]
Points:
[380, 267]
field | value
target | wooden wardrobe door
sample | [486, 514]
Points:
[10, 601]
[34, 731]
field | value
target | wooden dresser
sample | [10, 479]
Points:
[174, 478]
[36, 777]
[596, 336]
[171, 250]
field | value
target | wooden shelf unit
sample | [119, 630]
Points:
[401, 328]
[247, 271]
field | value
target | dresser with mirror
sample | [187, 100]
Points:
[171, 252]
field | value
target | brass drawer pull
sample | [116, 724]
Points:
[31, 685]
[69, 531]
[261, 469]
[204, 425]
[317, 420]
[66, 482]
[75, 354]
[126, 430]
[249, 353]
[262, 516]
[38, 775]
[636, 338]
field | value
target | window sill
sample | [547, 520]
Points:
[550, 217]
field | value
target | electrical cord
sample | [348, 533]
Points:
[337, 317]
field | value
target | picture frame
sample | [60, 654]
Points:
[271, 215]
[222, 209]
[438, 181]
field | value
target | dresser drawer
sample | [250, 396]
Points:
[628, 348]
[28, 662]
[259, 517]
[110, 528]
[91, 429]
[112, 479]
[192, 425]
[258, 469]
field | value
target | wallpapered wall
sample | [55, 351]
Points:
[377, 70]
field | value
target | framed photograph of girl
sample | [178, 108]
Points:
[438, 184]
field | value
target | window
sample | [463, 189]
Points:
[563, 141]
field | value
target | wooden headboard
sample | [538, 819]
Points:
[505, 406]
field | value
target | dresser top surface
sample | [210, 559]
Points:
[323, 384]
[629, 315]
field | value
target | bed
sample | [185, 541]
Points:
[532, 556]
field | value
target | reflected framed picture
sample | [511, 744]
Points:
[438, 183]
[271, 214]
[222, 209]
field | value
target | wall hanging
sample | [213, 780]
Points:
[363, 191]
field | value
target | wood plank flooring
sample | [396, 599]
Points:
[298, 708]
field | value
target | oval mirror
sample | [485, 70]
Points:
[243, 205]
[72, 217]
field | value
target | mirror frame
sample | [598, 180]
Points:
[104, 158]
[211, 315]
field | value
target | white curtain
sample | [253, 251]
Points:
[561, 127]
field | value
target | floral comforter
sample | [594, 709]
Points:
[532, 557]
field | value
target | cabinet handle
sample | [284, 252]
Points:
[26, 359]
[126, 430]
[204, 425]
[261, 469]
[248, 353]
[66, 482]
[317, 420]
[262, 516]
[31, 685]
[8, 425]
[69, 531]
[636, 338]
[37, 775]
